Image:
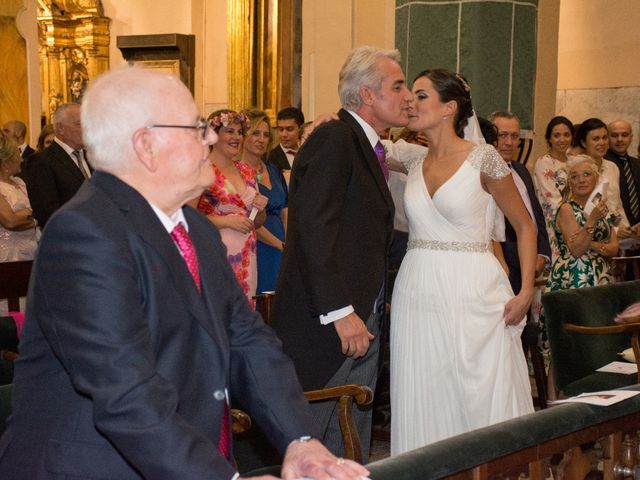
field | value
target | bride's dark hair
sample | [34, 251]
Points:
[452, 86]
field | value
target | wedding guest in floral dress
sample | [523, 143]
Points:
[585, 240]
[550, 174]
[229, 202]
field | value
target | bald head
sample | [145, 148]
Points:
[144, 128]
[620, 136]
[117, 104]
[16, 130]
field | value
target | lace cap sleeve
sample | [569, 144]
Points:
[408, 154]
[488, 160]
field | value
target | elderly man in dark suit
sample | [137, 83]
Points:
[330, 294]
[55, 174]
[508, 127]
[137, 331]
[620, 137]
[17, 130]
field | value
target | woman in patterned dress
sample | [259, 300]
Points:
[550, 173]
[585, 240]
[229, 201]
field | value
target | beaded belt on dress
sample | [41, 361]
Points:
[451, 246]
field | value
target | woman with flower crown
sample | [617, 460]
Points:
[228, 203]
[271, 235]
[456, 356]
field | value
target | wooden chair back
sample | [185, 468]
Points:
[14, 282]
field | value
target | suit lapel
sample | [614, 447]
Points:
[369, 156]
[67, 166]
[149, 228]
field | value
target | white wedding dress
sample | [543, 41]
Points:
[455, 366]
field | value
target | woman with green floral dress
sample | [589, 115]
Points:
[585, 240]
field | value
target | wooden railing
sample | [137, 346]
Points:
[524, 445]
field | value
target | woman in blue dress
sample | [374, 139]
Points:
[271, 235]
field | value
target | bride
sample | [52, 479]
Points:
[456, 358]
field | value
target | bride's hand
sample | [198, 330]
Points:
[516, 309]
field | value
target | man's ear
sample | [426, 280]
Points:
[142, 141]
[367, 95]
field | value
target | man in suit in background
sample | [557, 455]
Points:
[288, 122]
[55, 174]
[331, 291]
[17, 130]
[137, 331]
[508, 137]
[620, 137]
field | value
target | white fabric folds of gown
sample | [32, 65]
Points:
[455, 366]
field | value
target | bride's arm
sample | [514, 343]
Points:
[401, 155]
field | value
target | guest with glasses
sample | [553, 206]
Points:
[232, 197]
[583, 226]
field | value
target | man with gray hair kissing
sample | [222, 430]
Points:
[330, 296]
[137, 332]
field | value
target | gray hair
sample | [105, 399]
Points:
[114, 106]
[360, 69]
[501, 114]
[60, 115]
[574, 160]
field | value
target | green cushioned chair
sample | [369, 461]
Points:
[576, 355]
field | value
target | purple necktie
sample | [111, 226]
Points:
[181, 237]
[379, 149]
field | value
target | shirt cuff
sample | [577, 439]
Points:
[336, 315]
[236, 476]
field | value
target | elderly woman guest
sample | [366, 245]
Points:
[592, 135]
[18, 229]
[229, 201]
[585, 240]
[271, 235]
[550, 173]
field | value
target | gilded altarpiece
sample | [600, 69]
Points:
[263, 38]
[73, 40]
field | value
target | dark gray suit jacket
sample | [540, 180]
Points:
[634, 164]
[339, 231]
[510, 246]
[124, 365]
[52, 178]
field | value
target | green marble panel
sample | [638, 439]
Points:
[485, 49]
[524, 65]
[431, 31]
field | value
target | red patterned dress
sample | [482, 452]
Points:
[221, 199]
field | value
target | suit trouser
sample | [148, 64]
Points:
[363, 371]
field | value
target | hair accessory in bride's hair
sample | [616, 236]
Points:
[229, 118]
[464, 83]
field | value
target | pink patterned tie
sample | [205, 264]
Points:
[224, 444]
[181, 237]
[379, 149]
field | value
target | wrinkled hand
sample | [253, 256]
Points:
[260, 202]
[599, 211]
[516, 309]
[238, 223]
[312, 459]
[354, 336]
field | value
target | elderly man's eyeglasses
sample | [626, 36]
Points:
[202, 126]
